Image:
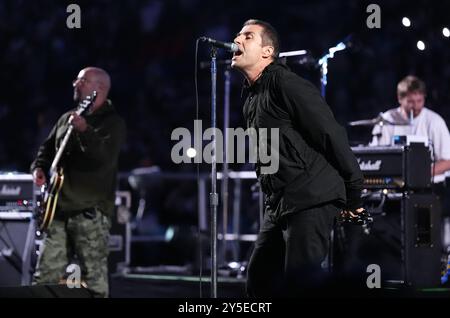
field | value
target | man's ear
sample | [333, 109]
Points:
[102, 88]
[267, 51]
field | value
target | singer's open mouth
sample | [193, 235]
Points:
[238, 53]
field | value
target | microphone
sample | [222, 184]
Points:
[232, 47]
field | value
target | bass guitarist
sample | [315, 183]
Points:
[85, 201]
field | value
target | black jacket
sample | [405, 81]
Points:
[316, 163]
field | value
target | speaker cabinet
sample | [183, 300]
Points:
[422, 240]
[404, 241]
[16, 250]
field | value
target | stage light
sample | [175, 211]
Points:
[406, 22]
[191, 152]
[446, 32]
[421, 45]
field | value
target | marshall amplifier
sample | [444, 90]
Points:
[396, 167]
[17, 230]
[17, 193]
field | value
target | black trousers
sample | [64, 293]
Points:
[290, 250]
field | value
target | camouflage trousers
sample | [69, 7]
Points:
[84, 238]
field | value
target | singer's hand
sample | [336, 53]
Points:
[79, 123]
[353, 213]
[359, 216]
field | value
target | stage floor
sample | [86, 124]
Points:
[173, 286]
[160, 285]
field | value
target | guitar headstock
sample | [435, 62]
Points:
[86, 103]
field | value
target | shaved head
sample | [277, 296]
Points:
[100, 76]
[92, 79]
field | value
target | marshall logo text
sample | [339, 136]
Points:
[9, 191]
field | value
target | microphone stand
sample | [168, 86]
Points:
[323, 63]
[213, 196]
[225, 171]
[226, 123]
[207, 64]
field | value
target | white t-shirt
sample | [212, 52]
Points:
[428, 124]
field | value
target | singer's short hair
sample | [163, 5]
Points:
[269, 35]
[410, 84]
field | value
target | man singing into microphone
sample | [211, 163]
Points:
[318, 174]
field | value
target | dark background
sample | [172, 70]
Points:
[148, 48]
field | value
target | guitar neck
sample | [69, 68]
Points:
[82, 107]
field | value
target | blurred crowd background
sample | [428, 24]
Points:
[148, 47]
